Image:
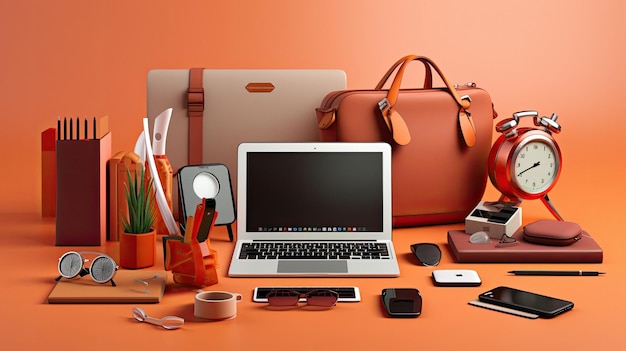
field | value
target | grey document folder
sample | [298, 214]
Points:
[241, 105]
[236, 111]
[314, 209]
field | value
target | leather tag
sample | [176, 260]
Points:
[326, 118]
[468, 130]
[399, 129]
[260, 87]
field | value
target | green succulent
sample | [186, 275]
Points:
[140, 199]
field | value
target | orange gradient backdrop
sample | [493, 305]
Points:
[90, 58]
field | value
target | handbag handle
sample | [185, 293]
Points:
[396, 123]
[428, 77]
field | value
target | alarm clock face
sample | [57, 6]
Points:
[535, 165]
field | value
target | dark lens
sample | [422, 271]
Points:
[281, 298]
[427, 254]
[322, 298]
[507, 239]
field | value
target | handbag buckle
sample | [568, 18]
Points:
[195, 100]
[466, 97]
[384, 105]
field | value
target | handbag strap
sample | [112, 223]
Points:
[428, 77]
[195, 112]
[396, 123]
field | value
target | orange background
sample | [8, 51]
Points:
[91, 58]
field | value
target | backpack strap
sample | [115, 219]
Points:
[195, 112]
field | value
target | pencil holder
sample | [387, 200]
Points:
[81, 209]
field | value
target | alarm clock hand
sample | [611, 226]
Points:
[536, 164]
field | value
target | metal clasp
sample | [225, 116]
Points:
[383, 105]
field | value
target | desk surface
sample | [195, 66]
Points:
[29, 257]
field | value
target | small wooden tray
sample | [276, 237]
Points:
[127, 289]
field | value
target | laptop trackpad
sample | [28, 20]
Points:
[312, 267]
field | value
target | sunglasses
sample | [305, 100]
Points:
[101, 270]
[290, 298]
[427, 254]
[506, 241]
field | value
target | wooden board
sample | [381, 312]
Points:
[127, 289]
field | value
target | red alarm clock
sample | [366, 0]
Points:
[525, 163]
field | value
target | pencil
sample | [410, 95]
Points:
[556, 273]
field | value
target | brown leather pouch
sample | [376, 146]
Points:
[552, 232]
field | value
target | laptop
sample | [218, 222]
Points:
[314, 209]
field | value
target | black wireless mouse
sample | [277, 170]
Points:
[427, 254]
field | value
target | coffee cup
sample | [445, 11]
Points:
[216, 305]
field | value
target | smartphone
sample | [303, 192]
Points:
[402, 303]
[541, 305]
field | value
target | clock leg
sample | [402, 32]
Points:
[546, 201]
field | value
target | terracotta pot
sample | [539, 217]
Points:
[137, 250]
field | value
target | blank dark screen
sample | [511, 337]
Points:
[314, 191]
[523, 298]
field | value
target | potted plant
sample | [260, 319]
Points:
[138, 241]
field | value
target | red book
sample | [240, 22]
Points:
[48, 173]
[586, 250]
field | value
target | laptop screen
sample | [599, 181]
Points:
[338, 191]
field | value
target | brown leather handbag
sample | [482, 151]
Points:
[440, 137]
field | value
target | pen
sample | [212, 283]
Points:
[556, 273]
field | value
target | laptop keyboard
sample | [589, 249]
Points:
[314, 250]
